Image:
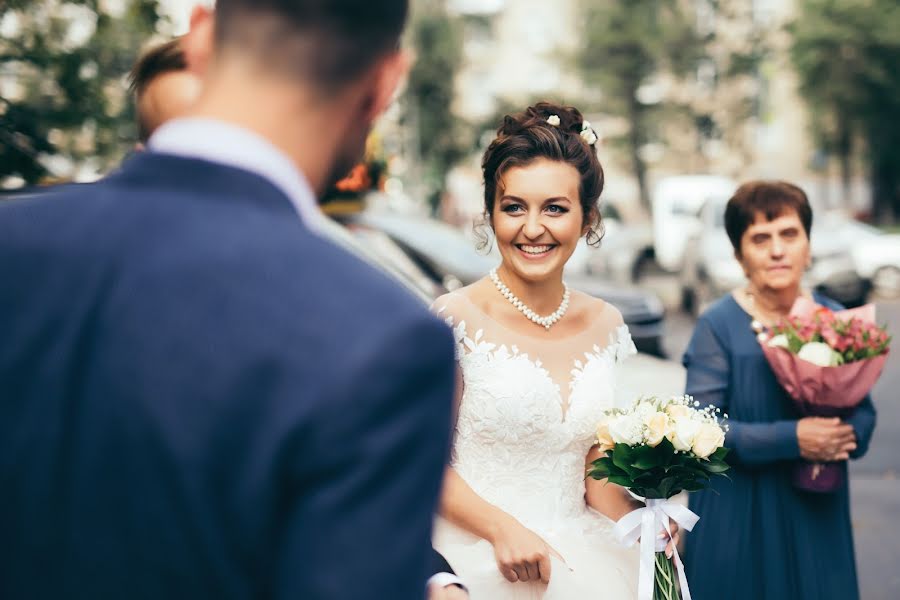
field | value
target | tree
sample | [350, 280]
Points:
[63, 95]
[625, 44]
[846, 53]
[441, 138]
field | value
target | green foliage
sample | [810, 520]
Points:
[626, 42]
[442, 140]
[846, 53]
[658, 472]
[71, 98]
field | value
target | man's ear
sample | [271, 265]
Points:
[387, 76]
[197, 43]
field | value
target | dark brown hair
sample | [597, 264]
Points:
[528, 136]
[160, 59]
[328, 42]
[772, 199]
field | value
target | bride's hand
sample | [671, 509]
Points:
[522, 555]
[670, 547]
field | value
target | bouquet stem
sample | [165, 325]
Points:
[666, 581]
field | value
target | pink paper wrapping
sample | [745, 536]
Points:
[824, 391]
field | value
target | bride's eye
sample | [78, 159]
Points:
[512, 208]
[556, 209]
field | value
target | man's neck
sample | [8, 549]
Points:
[304, 130]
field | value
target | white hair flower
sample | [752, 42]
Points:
[587, 133]
[553, 120]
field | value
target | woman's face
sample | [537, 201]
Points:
[774, 254]
[538, 219]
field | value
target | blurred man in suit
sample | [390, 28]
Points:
[200, 397]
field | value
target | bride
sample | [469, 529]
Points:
[517, 519]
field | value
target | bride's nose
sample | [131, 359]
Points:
[533, 227]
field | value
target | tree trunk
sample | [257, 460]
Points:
[636, 138]
[845, 155]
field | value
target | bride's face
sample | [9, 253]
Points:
[538, 219]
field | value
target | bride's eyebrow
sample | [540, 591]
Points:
[547, 201]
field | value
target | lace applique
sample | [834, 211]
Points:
[515, 435]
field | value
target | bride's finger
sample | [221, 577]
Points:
[509, 574]
[521, 572]
[544, 569]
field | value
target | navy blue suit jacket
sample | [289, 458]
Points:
[200, 398]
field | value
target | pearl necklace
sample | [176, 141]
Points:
[545, 322]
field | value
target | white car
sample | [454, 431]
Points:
[877, 259]
[677, 205]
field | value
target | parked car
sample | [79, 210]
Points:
[711, 270]
[677, 203]
[451, 260]
[378, 249]
[877, 259]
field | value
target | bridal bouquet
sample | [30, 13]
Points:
[657, 448]
[827, 362]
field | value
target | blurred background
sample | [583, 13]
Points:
[689, 98]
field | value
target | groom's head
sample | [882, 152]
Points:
[340, 59]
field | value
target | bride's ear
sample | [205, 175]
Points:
[591, 219]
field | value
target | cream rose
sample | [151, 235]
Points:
[818, 353]
[677, 411]
[604, 438]
[709, 438]
[683, 432]
[657, 424]
[779, 341]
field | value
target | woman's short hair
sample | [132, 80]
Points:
[527, 136]
[772, 199]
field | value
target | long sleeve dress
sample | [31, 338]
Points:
[758, 537]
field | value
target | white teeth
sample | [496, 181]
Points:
[535, 249]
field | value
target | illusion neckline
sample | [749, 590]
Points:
[568, 338]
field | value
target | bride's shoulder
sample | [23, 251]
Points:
[459, 304]
[596, 311]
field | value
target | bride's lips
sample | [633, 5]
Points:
[535, 251]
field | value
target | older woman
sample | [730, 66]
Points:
[758, 536]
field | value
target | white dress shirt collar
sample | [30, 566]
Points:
[227, 144]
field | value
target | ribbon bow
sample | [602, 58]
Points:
[643, 523]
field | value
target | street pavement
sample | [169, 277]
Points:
[875, 479]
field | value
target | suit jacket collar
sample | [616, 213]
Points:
[233, 146]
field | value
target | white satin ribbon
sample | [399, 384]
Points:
[644, 523]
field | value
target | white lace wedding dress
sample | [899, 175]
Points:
[526, 423]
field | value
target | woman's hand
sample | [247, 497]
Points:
[825, 440]
[522, 555]
[673, 541]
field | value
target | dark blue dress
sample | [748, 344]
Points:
[758, 537]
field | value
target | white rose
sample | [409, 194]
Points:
[683, 432]
[677, 411]
[657, 425]
[818, 353]
[604, 438]
[709, 438]
[779, 341]
[626, 429]
[644, 409]
[553, 120]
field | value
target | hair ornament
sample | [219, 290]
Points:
[553, 120]
[588, 134]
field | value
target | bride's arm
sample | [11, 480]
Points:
[520, 553]
[610, 499]
[459, 503]
[464, 508]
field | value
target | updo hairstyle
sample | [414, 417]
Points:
[528, 136]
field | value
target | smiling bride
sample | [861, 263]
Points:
[538, 362]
